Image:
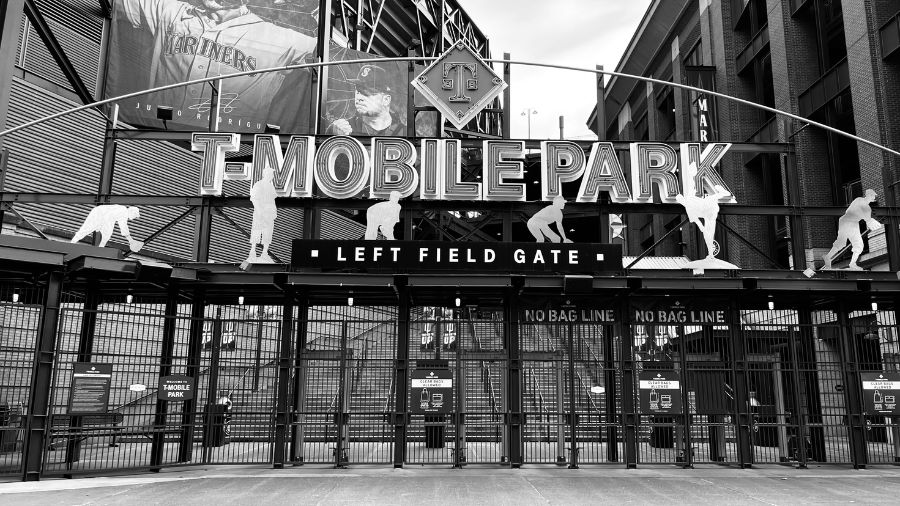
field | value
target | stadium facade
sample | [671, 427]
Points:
[680, 313]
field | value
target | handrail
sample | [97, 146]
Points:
[593, 404]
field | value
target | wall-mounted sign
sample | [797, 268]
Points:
[880, 392]
[417, 256]
[679, 314]
[431, 391]
[434, 169]
[90, 388]
[660, 392]
[175, 388]
[568, 315]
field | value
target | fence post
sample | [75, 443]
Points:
[38, 419]
[401, 373]
[297, 428]
[626, 364]
[189, 408]
[282, 420]
[514, 374]
[743, 418]
[165, 369]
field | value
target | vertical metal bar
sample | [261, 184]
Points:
[259, 334]
[600, 123]
[850, 368]
[202, 231]
[300, 371]
[106, 173]
[561, 408]
[324, 54]
[10, 26]
[340, 411]
[85, 350]
[573, 412]
[4, 164]
[410, 92]
[507, 98]
[212, 389]
[795, 201]
[685, 401]
[743, 417]
[401, 365]
[38, 419]
[609, 382]
[167, 355]
[514, 374]
[626, 365]
[800, 437]
[189, 408]
[282, 419]
[214, 110]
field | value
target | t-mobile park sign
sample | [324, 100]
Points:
[433, 169]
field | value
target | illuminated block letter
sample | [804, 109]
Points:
[698, 170]
[432, 170]
[342, 186]
[392, 168]
[561, 162]
[293, 176]
[654, 164]
[604, 173]
[213, 145]
[454, 188]
[496, 168]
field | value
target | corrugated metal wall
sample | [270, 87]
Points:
[66, 155]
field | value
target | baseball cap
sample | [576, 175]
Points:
[371, 79]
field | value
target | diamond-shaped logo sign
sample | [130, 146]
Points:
[459, 84]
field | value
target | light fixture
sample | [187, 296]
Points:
[874, 306]
[458, 301]
[350, 299]
[15, 297]
[771, 303]
[129, 298]
[240, 300]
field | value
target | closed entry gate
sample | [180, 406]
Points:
[344, 386]
[464, 422]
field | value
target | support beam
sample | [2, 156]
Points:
[515, 421]
[166, 359]
[59, 55]
[10, 26]
[282, 415]
[401, 373]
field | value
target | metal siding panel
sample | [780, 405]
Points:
[83, 53]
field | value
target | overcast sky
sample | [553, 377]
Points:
[578, 33]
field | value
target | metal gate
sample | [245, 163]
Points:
[345, 389]
[470, 345]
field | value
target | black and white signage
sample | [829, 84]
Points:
[880, 392]
[660, 392]
[431, 391]
[175, 388]
[90, 388]
[678, 314]
[568, 315]
[418, 256]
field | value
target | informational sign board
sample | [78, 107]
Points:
[90, 388]
[880, 392]
[419, 256]
[660, 392]
[175, 388]
[431, 391]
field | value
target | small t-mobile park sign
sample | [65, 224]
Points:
[175, 388]
[660, 392]
[431, 391]
[880, 392]
[411, 256]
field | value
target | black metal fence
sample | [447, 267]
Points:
[754, 386]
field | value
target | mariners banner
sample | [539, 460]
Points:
[161, 42]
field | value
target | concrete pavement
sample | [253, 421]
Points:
[472, 485]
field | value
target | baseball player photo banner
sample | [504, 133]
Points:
[160, 42]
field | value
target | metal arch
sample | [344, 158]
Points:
[424, 58]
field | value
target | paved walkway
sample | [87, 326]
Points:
[219, 485]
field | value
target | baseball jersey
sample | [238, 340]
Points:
[188, 45]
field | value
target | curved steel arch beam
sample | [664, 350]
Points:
[421, 58]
